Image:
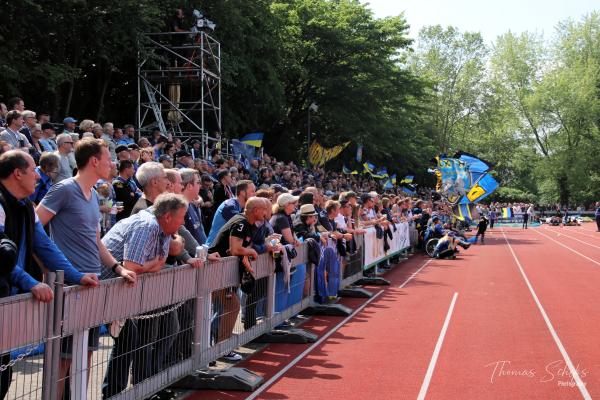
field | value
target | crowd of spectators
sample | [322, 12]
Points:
[89, 199]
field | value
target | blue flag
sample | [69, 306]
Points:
[243, 152]
[253, 139]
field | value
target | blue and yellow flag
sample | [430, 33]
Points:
[507, 212]
[465, 212]
[253, 139]
[347, 171]
[485, 186]
[407, 179]
[388, 185]
[369, 168]
[381, 173]
[393, 179]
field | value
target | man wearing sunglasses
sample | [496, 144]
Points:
[65, 143]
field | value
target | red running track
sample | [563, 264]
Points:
[516, 318]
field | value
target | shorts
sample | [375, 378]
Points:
[66, 343]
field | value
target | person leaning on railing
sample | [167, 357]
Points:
[141, 243]
[235, 239]
[21, 237]
[72, 210]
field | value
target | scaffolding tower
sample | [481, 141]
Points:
[179, 86]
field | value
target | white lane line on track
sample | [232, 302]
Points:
[436, 351]
[586, 395]
[567, 247]
[574, 238]
[415, 274]
[581, 230]
[296, 360]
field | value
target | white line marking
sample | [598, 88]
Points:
[323, 338]
[295, 361]
[568, 248]
[579, 230]
[414, 274]
[561, 348]
[574, 238]
[436, 351]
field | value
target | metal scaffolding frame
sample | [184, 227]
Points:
[179, 86]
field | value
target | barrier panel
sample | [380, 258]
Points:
[128, 342]
[352, 264]
[374, 248]
[25, 326]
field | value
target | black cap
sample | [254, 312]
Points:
[121, 148]
[133, 146]
[47, 125]
[182, 153]
[164, 157]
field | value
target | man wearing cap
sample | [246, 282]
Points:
[134, 154]
[125, 188]
[230, 207]
[195, 150]
[69, 124]
[222, 190]
[434, 230]
[305, 224]
[183, 159]
[122, 153]
[166, 161]
[48, 141]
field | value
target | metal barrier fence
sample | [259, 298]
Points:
[122, 342]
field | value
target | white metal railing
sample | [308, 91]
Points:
[35, 334]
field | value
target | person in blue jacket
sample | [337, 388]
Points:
[22, 236]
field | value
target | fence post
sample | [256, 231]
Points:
[197, 344]
[201, 316]
[79, 365]
[46, 373]
[270, 298]
[54, 365]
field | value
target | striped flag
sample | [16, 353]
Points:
[253, 139]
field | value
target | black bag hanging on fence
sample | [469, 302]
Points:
[247, 280]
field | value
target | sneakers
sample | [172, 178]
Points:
[232, 356]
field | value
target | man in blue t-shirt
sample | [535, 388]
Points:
[71, 208]
[244, 190]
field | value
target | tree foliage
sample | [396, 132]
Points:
[532, 107]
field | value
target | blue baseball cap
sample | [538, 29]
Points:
[69, 120]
